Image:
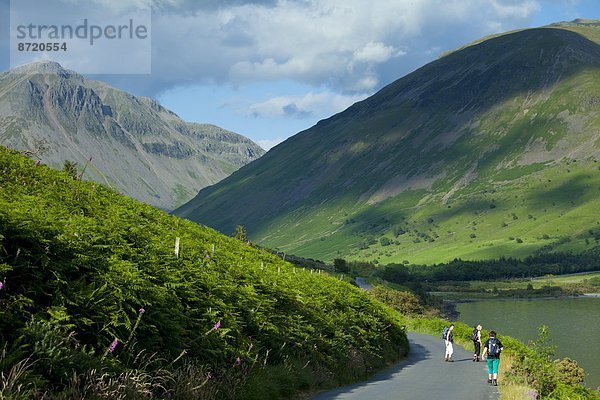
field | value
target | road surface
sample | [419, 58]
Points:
[363, 284]
[423, 375]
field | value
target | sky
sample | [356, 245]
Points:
[268, 69]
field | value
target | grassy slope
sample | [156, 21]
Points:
[532, 158]
[553, 207]
[78, 261]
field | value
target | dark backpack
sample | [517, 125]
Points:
[445, 332]
[493, 347]
[474, 335]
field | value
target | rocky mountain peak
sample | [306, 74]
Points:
[45, 67]
[138, 146]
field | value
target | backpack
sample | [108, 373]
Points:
[445, 332]
[474, 335]
[493, 347]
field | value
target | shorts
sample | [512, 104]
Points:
[492, 364]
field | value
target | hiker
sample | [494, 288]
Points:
[476, 338]
[448, 340]
[492, 348]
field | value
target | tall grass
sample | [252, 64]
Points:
[148, 378]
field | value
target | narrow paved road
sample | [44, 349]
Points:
[423, 376]
[362, 284]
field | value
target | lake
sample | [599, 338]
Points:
[574, 325]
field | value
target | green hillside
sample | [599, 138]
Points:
[82, 266]
[491, 150]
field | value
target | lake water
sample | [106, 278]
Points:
[574, 325]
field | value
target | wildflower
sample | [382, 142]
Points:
[1, 285]
[533, 394]
[214, 328]
[238, 361]
[113, 345]
[137, 322]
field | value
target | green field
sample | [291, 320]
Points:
[537, 283]
[546, 286]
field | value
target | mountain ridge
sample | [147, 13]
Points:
[435, 149]
[136, 145]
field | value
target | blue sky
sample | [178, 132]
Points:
[268, 69]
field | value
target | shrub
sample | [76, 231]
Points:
[404, 302]
[385, 241]
[569, 372]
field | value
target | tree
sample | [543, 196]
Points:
[340, 265]
[396, 273]
[240, 234]
[385, 241]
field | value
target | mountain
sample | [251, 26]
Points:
[491, 150]
[136, 145]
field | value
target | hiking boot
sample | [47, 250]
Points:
[494, 382]
[450, 360]
[489, 381]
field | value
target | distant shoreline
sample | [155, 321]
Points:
[472, 300]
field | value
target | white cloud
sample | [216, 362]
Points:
[344, 45]
[352, 46]
[268, 144]
[308, 105]
[516, 9]
[376, 52]
[118, 6]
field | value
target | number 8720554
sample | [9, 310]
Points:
[35, 46]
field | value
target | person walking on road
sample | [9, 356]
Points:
[448, 341]
[476, 337]
[492, 349]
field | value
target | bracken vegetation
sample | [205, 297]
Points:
[105, 297]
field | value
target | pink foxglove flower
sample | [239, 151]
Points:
[238, 361]
[214, 328]
[141, 310]
[113, 345]
[1, 285]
